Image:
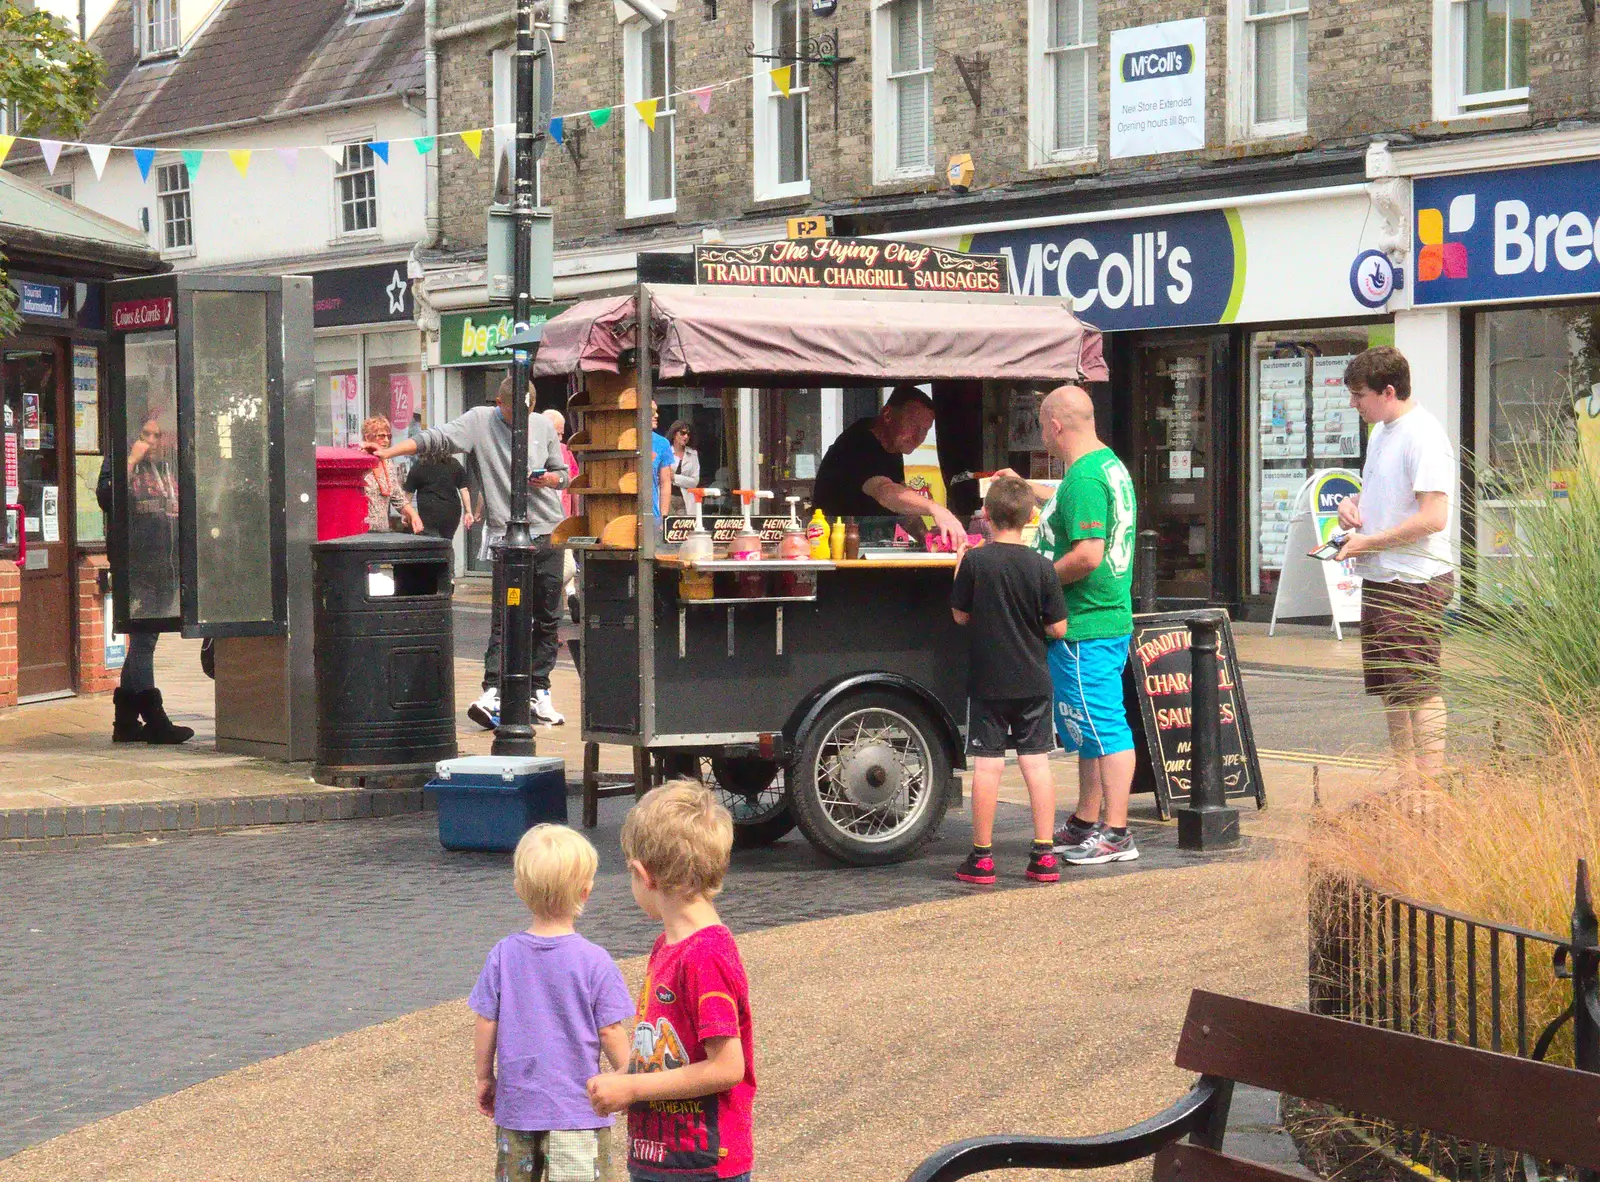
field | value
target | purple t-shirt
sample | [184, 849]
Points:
[551, 995]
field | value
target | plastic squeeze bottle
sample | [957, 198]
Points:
[817, 535]
[836, 541]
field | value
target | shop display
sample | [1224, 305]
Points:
[1278, 489]
[1335, 424]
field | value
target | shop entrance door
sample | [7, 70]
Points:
[32, 381]
[1177, 474]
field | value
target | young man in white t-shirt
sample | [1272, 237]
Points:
[1400, 545]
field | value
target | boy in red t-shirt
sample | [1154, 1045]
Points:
[691, 1079]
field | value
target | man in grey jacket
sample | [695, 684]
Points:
[485, 432]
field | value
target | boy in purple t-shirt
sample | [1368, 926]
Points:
[547, 1002]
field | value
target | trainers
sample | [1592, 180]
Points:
[1101, 847]
[1073, 834]
[976, 870]
[1042, 867]
[486, 710]
[544, 709]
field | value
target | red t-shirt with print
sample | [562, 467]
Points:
[694, 990]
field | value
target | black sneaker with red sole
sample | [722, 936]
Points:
[977, 870]
[1042, 867]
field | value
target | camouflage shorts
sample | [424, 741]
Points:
[565, 1155]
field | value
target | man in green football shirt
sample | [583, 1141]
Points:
[1086, 528]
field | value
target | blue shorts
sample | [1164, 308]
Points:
[1087, 675]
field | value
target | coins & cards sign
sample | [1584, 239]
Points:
[1158, 88]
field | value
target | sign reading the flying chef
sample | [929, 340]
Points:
[849, 263]
[1139, 272]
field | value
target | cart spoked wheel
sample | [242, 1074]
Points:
[871, 779]
[750, 788]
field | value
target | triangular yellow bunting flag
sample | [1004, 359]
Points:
[5, 146]
[240, 158]
[474, 141]
[647, 112]
[782, 78]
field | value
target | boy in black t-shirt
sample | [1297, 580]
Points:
[1010, 596]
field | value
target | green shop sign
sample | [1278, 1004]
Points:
[474, 338]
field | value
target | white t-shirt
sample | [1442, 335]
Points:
[1411, 455]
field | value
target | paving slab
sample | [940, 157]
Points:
[879, 1037]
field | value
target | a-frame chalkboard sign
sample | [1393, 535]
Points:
[1156, 693]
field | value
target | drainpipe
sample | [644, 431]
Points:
[430, 71]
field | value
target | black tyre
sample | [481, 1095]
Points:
[750, 789]
[870, 783]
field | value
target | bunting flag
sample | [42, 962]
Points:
[782, 78]
[599, 117]
[192, 159]
[423, 144]
[240, 158]
[98, 153]
[144, 158]
[474, 142]
[380, 149]
[5, 146]
[558, 131]
[647, 111]
[51, 151]
[290, 158]
[702, 99]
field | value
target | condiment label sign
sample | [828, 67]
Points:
[724, 529]
[849, 263]
[1156, 689]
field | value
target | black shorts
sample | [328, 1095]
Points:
[995, 724]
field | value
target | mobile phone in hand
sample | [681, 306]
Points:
[1331, 547]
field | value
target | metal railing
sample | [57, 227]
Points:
[1386, 960]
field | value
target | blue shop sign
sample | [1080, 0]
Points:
[1514, 234]
[1138, 272]
[42, 299]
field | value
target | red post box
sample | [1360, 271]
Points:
[341, 505]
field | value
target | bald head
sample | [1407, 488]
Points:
[1066, 421]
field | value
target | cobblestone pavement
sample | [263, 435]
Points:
[134, 971]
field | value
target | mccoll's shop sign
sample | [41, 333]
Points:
[1208, 266]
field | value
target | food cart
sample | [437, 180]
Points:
[832, 701]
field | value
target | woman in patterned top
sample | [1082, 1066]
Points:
[385, 498]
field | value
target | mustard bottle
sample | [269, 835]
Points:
[836, 540]
[817, 535]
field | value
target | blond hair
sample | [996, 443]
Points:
[374, 424]
[682, 836]
[554, 866]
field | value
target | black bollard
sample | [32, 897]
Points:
[1206, 823]
[1147, 570]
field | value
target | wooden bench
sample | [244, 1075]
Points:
[1550, 1113]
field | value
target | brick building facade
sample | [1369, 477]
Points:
[1320, 122]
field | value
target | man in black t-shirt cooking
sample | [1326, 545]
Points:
[864, 473]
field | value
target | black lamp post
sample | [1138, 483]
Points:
[514, 736]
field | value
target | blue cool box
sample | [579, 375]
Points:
[487, 802]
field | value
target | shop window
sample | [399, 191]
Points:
[1064, 87]
[1301, 421]
[781, 146]
[394, 381]
[356, 183]
[158, 27]
[648, 73]
[902, 61]
[1267, 67]
[1480, 56]
[177, 214]
[1537, 383]
[339, 406]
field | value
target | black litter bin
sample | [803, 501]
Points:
[385, 659]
